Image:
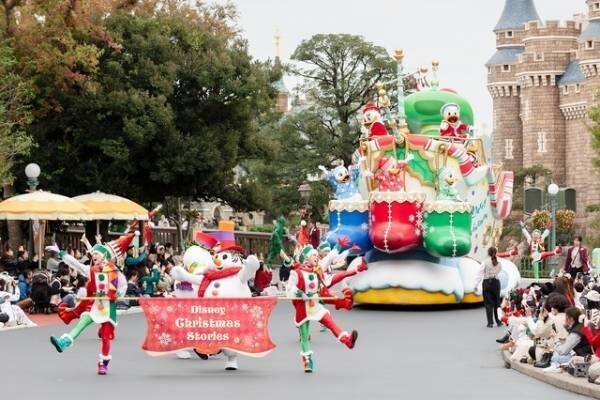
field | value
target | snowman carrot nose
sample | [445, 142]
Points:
[217, 262]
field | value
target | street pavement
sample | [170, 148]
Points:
[413, 354]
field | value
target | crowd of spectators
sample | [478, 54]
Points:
[555, 325]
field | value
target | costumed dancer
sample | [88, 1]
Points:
[307, 282]
[276, 242]
[535, 240]
[106, 284]
[227, 278]
[196, 260]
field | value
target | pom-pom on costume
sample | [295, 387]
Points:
[106, 283]
[307, 283]
[535, 240]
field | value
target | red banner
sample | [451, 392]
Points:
[208, 325]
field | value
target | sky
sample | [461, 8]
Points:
[456, 32]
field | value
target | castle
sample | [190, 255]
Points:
[543, 79]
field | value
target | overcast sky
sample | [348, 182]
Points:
[457, 32]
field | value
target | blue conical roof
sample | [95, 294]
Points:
[516, 13]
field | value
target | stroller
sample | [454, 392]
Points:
[44, 293]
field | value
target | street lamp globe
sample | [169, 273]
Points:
[32, 171]
[305, 191]
[553, 189]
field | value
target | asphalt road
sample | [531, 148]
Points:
[399, 354]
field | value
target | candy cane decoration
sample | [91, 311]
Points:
[501, 206]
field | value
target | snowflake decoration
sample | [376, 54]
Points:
[373, 217]
[411, 218]
[256, 312]
[170, 309]
[432, 229]
[418, 232]
[164, 315]
[245, 307]
[364, 226]
[259, 324]
[236, 340]
[154, 309]
[165, 339]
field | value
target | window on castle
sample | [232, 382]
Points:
[589, 44]
[566, 90]
[508, 149]
[597, 6]
[489, 70]
[542, 142]
[506, 68]
[509, 34]
[577, 88]
[539, 56]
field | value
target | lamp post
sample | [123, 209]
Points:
[552, 192]
[305, 191]
[32, 172]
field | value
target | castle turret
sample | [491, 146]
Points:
[283, 94]
[503, 85]
[547, 54]
[579, 86]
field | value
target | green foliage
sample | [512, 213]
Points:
[169, 109]
[338, 73]
[268, 228]
[16, 95]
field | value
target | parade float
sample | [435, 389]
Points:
[422, 199]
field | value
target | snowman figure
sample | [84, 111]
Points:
[227, 277]
[196, 260]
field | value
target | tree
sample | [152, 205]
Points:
[338, 73]
[156, 105]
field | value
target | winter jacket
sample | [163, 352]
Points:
[150, 281]
[24, 287]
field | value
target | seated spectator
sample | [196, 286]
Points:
[53, 262]
[149, 280]
[23, 261]
[132, 262]
[9, 262]
[66, 291]
[575, 344]
[166, 282]
[44, 288]
[25, 289]
[12, 315]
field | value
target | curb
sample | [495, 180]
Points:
[562, 381]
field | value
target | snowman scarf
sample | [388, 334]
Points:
[210, 276]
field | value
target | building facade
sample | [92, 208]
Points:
[543, 79]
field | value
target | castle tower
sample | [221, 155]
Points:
[503, 85]
[283, 93]
[579, 87]
[547, 54]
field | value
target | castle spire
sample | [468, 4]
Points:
[277, 45]
[515, 14]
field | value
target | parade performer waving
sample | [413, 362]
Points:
[535, 240]
[306, 283]
[106, 284]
